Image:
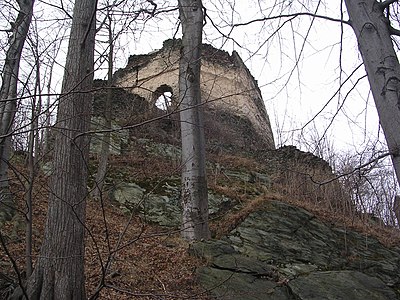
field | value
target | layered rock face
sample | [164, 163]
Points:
[278, 251]
[283, 252]
[272, 249]
[228, 88]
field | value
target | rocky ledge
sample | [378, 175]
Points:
[278, 251]
[284, 252]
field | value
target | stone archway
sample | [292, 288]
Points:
[163, 98]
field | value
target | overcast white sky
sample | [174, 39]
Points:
[292, 101]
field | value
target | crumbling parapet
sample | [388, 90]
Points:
[226, 84]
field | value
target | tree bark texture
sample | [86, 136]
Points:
[371, 28]
[105, 143]
[31, 164]
[194, 184]
[8, 94]
[396, 209]
[59, 270]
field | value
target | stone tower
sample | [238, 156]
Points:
[227, 86]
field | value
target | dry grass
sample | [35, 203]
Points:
[387, 235]
[231, 220]
[154, 263]
[304, 188]
[330, 203]
[146, 264]
[150, 262]
[235, 162]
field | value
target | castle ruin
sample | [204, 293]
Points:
[228, 88]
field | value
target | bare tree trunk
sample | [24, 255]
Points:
[8, 94]
[396, 209]
[33, 153]
[59, 270]
[45, 146]
[194, 183]
[373, 33]
[105, 145]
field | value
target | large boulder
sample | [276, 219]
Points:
[161, 204]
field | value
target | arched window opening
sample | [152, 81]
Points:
[163, 97]
[164, 101]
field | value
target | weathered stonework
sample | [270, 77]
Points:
[227, 85]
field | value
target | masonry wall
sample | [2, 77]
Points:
[226, 83]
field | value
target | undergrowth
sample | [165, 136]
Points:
[144, 257]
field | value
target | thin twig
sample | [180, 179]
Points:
[3, 243]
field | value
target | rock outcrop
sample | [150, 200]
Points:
[274, 250]
[285, 252]
[278, 251]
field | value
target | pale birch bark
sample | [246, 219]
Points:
[373, 33]
[194, 183]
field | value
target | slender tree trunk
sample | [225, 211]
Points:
[59, 270]
[45, 145]
[8, 94]
[28, 196]
[372, 30]
[33, 153]
[28, 228]
[105, 145]
[396, 209]
[194, 183]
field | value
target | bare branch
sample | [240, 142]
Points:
[386, 3]
[334, 95]
[62, 8]
[154, 7]
[92, 20]
[394, 31]
[13, 262]
[291, 16]
[360, 167]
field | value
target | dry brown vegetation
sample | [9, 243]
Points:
[310, 188]
[150, 262]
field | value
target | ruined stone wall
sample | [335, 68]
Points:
[226, 83]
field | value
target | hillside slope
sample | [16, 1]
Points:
[282, 227]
